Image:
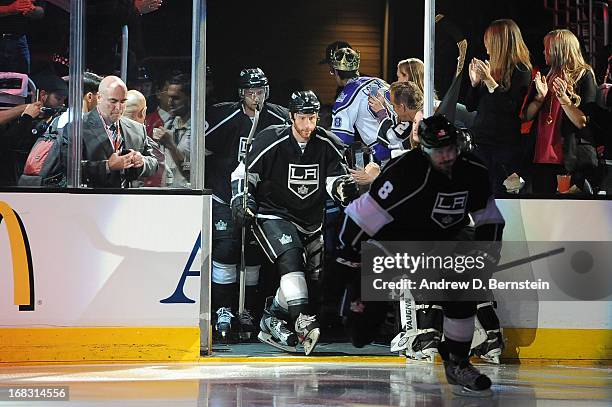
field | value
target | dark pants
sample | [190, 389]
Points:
[501, 161]
[14, 54]
[544, 178]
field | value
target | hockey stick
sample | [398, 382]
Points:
[245, 196]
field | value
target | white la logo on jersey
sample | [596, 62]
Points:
[242, 148]
[221, 225]
[303, 179]
[449, 208]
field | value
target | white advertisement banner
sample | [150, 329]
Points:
[99, 260]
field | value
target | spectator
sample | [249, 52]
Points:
[497, 93]
[16, 140]
[15, 17]
[175, 137]
[329, 53]
[407, 103]
[115, 148]
[105, 19]
[136, 109]
[159, 116]
[135, 106]
[564, 143]
[412, 70]
[91, 82]
[351, 119]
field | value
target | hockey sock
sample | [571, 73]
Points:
[459, 350]
[224, 295]
[485, 313]
[251, 298]
[458, 333]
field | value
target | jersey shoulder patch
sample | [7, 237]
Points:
[350, 92]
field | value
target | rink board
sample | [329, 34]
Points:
[105, 277]
[102, 264]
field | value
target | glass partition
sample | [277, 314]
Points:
[34, 68]
[143, 52]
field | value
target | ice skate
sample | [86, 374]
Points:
[224, 323]
[491, 349]
[308, 331]
[274, 331]
[247, 328]
[465, 379]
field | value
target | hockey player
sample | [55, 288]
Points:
[227, 128]
[291, 169]
[422, 341]
[352, 118]
[416, 208]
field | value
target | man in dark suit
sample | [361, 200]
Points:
[115, 149]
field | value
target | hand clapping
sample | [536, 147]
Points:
[541, 85]
[559, 86]
[474, 73]
[23, 6]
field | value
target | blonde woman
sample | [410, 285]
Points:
[564, 142]
[499, 87]
[412, 70]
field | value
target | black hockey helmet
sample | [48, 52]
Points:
[252, 78]
[305, 102]
[436, 132]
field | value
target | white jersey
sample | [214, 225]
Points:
[352, 118]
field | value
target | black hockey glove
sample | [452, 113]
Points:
[242, 216]
[345, 190]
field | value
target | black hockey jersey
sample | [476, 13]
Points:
[288, 183]
[411, 201]
[227, 129]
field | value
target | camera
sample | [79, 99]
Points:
[53, 111]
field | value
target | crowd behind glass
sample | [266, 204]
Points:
[540, 131]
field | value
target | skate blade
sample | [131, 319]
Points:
[267, 338]
[459, 390]
[311, 340]
[492, 356]
[429, 357]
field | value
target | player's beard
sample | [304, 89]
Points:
[446, 166]
[305, 133]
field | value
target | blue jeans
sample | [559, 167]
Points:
[14, 54]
